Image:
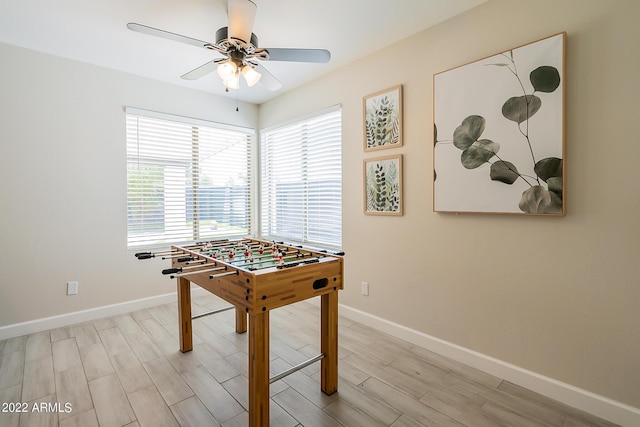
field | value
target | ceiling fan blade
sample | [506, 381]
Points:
[242, 14]
[268, 80]
[167, 35]
[201, 71]
[298, 55]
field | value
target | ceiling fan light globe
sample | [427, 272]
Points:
[227, 70]
[233, 82]
[250, 75]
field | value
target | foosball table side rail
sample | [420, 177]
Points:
[306, 273]
[270, 288]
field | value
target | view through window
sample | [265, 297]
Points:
[187, 179]
[301, 181]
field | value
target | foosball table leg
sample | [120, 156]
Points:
[329, 342]
[259, 370]
[184, 314]
[241, 320]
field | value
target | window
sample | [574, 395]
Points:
[301, 185]
[187, 179]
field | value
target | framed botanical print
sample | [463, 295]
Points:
[382, 119]
[383, 185]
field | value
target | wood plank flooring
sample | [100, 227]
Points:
[126, 370]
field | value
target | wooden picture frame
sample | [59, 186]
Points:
[382, 185]
[499, 132]
[382, 119]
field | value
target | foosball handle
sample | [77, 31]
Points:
[144, 255]
[171, 270]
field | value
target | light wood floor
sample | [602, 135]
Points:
[126, 370]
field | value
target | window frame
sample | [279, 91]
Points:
[263, 223]
[196, 128]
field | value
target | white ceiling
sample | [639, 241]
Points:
[96, 33]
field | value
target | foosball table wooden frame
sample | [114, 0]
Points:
[285, 275]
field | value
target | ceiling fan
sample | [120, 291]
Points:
[239, 49]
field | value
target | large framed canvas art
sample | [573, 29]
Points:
[499, 133]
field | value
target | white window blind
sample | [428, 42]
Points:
[301, 186]
[186, 180]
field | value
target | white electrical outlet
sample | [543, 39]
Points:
[72, 288]
[364, 288]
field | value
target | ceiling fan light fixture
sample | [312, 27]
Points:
[232, 82]
[250, 75]
[227, 70]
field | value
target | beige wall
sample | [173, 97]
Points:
[557, 296]
[63, 182]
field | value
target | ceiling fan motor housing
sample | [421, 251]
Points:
[222, 35]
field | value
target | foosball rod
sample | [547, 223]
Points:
[230, 261]
[244, 244]
[225, 244]
[228, 273]
[177, 255]
[147, 255]
[164, 255]
[259, 257]
[165, 252]
[189, 267]
[251, 246]
[246, 262]
[209, 251]
[193, 261]
[190, 273]
[203, 245]
[316, 250]
[187, 257]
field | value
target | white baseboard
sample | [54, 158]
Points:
[39, 325]
[600, 406]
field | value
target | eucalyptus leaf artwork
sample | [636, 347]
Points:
[383, 185]
[383, 119]
[499, 133]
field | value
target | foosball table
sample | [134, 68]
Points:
[256, 276]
